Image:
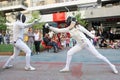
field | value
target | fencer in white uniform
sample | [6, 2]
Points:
[18, 33]
[77, 32]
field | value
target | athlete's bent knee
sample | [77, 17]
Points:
[28, 53]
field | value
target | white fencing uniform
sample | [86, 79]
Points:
[77, 33]
[18, 33]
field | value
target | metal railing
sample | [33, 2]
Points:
[43, 2]
[60, 1]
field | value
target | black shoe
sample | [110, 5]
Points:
[55, 51]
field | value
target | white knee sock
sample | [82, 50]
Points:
[69, 57]
[28, 60]
[9, 61]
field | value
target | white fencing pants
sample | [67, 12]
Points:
[20, 45]
[89, 46]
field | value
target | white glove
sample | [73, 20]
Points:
[36, 21]
[47, 25]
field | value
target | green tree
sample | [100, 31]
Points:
[3, 26]
[81, 21]
[36, 15]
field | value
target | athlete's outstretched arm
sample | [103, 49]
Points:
[27, 25]
[57, 30]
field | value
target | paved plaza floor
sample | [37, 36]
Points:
[84, 66]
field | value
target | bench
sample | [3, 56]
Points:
[45, 46]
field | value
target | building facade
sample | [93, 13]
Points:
[99, 13]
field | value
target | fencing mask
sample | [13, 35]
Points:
[21, 17]
[69, 20]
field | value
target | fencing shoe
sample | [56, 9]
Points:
[65, 70]
[7, 66]
[29, 68]
[114, 69]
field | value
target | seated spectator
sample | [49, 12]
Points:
[48, 41]
[115, 44]
[103, 43]
[56, 39]
[111, 44]
[118, 44]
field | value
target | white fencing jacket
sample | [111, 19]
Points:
[76, 33]
[18, 29]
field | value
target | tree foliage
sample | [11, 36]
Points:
[3, 27]
[81, 21]
[36, 15]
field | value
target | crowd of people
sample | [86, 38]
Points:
[59, 41]
[34, 37]
[62, 40]
[5, 39]
[56, 41]
[103, 42]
